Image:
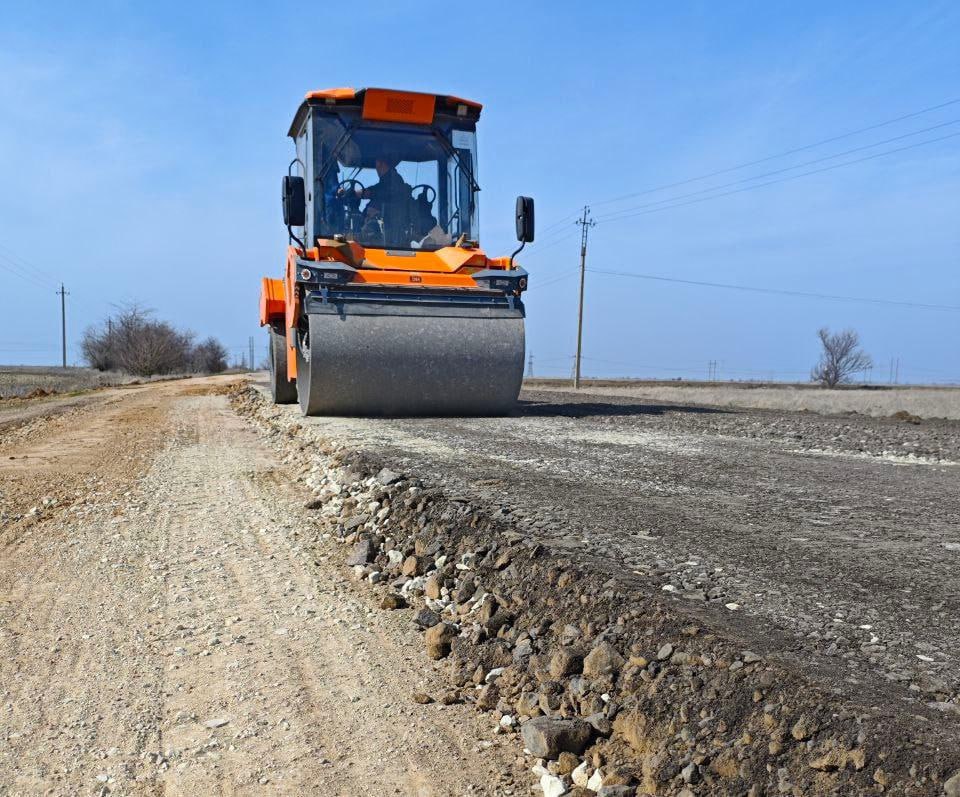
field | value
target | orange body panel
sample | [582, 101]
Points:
[292, 308]
[271, 301]
[398, 106]
[331, 94]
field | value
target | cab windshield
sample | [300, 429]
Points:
[394, 186]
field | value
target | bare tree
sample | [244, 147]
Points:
[134, 342]
[210, 357]
[840, 359]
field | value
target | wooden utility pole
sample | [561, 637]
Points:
[63, 322]
[585, 223]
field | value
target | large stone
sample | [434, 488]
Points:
[547, 737]
[565, 662]
[411, 566]
[361, 554]
[952, 787]
[438, 639]
[387, 476]
[426, 618]
[604, 659]
[431, 587]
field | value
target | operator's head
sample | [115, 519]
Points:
[385, 164]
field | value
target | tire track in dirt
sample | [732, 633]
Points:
[174, 624]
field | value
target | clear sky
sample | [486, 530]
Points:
[141, 149]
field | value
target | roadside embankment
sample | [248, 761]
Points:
[612, 689]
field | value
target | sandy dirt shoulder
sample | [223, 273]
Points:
[172, 622]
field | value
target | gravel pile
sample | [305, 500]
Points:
[609, 688]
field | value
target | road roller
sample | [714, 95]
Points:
[388, 305]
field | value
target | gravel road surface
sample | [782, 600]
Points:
[835, 540]
[172, 622]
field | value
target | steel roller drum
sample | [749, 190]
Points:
[397, 359]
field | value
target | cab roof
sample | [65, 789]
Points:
[388, 105]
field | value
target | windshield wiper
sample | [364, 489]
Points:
[449, 149]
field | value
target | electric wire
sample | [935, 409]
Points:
[784, 154]
[779, 291]
[761, 176]
[617, 217]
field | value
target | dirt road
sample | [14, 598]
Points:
[171, 622]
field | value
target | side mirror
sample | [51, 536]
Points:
[294, 202]
[525, 219]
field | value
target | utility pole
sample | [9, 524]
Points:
[585, 223]
[63, 322]
[251, 352]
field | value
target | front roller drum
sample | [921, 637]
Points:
[282, 389]
[409, 365]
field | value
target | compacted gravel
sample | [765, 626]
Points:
[842, 532]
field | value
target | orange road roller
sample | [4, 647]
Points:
[388, 305]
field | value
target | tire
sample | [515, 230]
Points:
[282, 389]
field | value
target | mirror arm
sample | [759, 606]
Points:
[294, 238]
[517, 252]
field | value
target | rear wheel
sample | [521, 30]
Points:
[282, 389]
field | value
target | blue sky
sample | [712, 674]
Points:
[141, 150]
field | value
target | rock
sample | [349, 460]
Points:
[393, 601]
[665, 651]
[426, 618]
[952, 787]
[411, 566]
[354, 522]
[394, 558]
[438, 639]
[803, 728]
[565, 662]
[552, 785]
[422, 698]
[216, 722]
[547, 737]
[450, 698]
[431, 588]
[690, 773]
[566, 763]
[596, 780]
[488, 697]
[361, 554]
[387, 477]
[604, 659]
[600, 724]
[616, 791]
[579, 775]
[313, 503]
[522, 651]
[830, 761]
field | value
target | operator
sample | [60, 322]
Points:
[390, 196]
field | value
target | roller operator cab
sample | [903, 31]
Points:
[388, 306]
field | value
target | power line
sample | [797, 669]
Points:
[710, 189]
[784, 154]
[780, 180]
[10, 267]
[780, 292]
[25, 264]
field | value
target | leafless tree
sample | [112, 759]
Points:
[134, 342]
[840, 359]
[210, 357]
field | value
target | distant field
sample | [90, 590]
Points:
[876, 401]
[22, 380]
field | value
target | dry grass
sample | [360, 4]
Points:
[877, 401]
